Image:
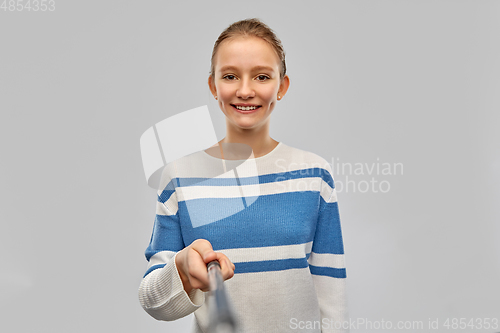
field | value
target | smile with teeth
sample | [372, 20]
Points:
[245, 108]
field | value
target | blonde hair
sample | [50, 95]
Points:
[251, 27]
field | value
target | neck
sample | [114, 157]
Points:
[259, 140]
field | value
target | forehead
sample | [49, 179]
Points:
[245, 53]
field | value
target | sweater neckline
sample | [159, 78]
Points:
[252, 159]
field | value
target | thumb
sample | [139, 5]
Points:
[209, 255]
[205, 250]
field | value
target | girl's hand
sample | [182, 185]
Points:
[191, 263]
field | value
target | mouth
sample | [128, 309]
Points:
[246, 108]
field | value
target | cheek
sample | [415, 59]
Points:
[268, 95]
[225, 94]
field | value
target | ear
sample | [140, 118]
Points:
[285, 83]
[211, 85]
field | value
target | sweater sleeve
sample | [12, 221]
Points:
[161, 292]
[326, 260]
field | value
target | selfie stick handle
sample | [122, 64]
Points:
[221, 317]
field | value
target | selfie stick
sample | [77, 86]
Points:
[222, 319]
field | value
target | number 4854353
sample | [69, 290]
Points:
[28, 5]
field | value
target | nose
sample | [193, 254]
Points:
[245, 89]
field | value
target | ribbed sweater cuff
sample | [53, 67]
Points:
[176, 303]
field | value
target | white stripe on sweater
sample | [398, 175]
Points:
[327, 260]
[286, 186]
[296, 251]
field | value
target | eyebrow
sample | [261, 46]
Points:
[256, 68]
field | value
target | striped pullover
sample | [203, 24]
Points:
[275, 217]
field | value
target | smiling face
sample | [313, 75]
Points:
[247, 82]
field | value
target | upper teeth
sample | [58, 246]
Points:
[246, 108]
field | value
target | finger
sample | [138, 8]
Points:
[232, 265]
[205, 250]
[197, 270]
[227, 268]
[229, 263]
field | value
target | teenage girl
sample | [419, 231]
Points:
[281, 251]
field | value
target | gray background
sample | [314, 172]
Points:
[411, 82]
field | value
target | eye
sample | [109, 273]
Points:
[229, 77]
[262, 77]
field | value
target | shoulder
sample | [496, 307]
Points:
[304, 159]
[191, 165]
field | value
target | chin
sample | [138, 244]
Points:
[246, 126]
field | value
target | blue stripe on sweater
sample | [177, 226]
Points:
[262, 179]
[167, 192]
[152, 268]
[272, 220]
[276, 265]
[328, 238]
[166, 235]
[165, 195]
[328, 271]
[269, 265]
[257, 179]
